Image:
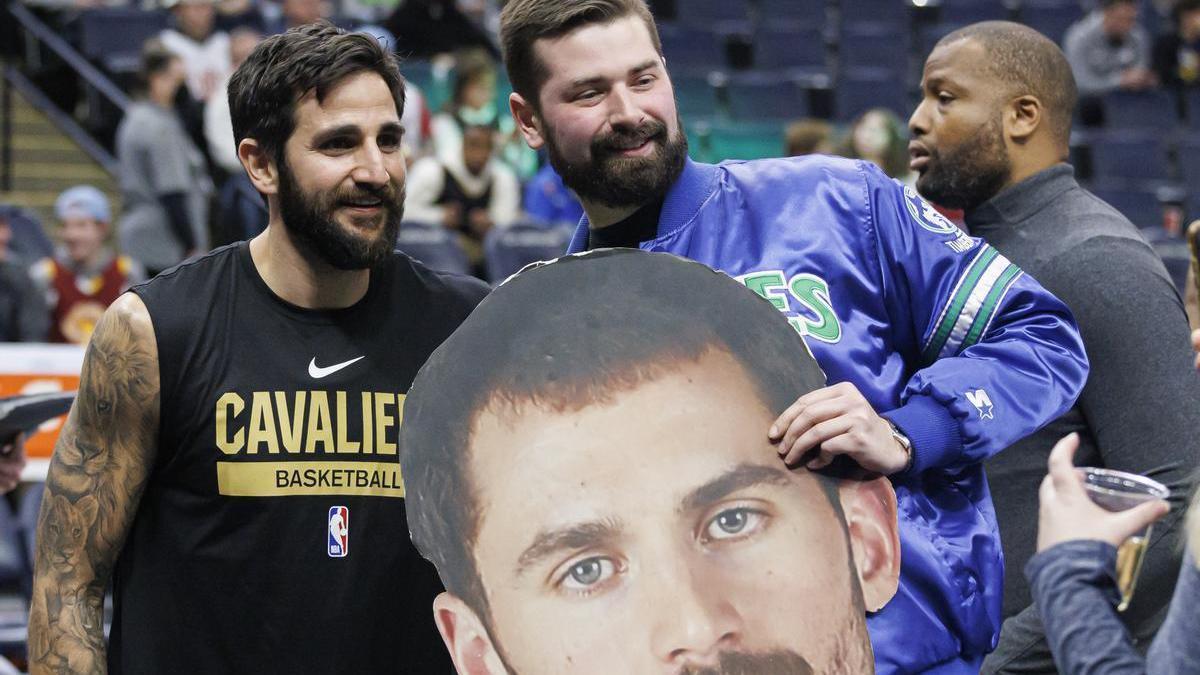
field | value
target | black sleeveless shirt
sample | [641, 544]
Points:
[271, 537]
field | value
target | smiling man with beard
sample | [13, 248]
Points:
[991, 137]
[230, 462]
[939, 351]
[602, 498]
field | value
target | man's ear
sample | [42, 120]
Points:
[259, 165]
[466, 638]
[528, 120]
[1022, 118]
[870, 509]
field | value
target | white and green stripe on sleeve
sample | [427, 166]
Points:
[971, 305]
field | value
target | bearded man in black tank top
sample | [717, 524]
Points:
[230, 463]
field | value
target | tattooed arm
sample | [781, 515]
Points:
[99, 469]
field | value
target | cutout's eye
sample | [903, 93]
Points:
[588, 573]
[733, 524]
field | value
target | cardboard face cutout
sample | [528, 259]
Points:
[587, 465]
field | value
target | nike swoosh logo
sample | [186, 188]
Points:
[317, 372]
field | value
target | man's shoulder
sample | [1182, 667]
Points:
[808, 171]
[444, 289]
[183, 275]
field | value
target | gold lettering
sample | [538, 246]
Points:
[262, 425]
[383, 421]
[229, 400]
[367, 446]
[290, 419]
[344, 445]
[319, 426]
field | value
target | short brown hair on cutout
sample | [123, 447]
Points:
[524, 22]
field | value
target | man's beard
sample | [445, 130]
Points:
[780, 662]
[615, 181]
[310, 220]
[971, 173]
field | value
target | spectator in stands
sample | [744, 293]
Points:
[1108, 50]
[809, 137]
[991, 136]
[470, 195]
[473, 102]
[426, 28]
[84, 276]
[218, 129]
[878, 136]
[296, 13]
[1073, 577]
[549, 201]
[23, 316]
[164, 182]
[1177, 53]
[28, 241]
[203, 50]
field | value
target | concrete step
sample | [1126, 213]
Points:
[54, 142]
[78, 171]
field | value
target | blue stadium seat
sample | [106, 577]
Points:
[433, 245]
[716, 142]
[1192, 102]
[701, 12]
[1151, 110]
[1129, 155]
[1051, 18]
[114, 36]
[694, 95]
[874, 45]
[860, 89]
[506, 251]
[691, 48]
[893, 11]
[798, 47]
[1188, 153]
[802, 10]
[1139, 204]
[1176, 258]
[972, 11]
[761, 96]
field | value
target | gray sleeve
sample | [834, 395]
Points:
[1142, 398]
[1175, 650]
[1088, 77]
[1074, 589]
[167, 159]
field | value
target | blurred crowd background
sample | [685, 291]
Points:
[117, 157]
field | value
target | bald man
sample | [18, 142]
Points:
[990, 137]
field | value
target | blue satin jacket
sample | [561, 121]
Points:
[951, 342]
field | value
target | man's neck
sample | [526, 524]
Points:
[600, 215]
[298, 277]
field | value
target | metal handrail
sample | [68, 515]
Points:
[65, 123]
[90, 73]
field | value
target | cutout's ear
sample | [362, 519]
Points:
[870, 508]
[466, 638]
[1022, 117]
[527, 120]
[259, 165]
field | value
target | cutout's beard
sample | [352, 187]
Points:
[971, 173]
[310, 220]
[780, 662]
[616, 181]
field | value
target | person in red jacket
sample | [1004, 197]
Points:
[85, 275]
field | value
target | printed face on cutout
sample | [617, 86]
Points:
[665, 535]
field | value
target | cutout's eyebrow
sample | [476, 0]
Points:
[592, 81]
[737, 478]
[574, 537]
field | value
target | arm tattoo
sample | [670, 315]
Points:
[100, 465]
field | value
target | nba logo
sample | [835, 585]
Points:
[339, 531]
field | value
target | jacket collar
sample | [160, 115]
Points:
[1017, 203]
[684, 199]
